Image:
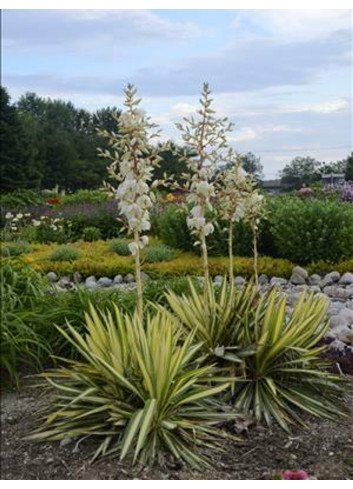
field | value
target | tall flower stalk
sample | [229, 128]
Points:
[205, 138]
[233, 186]
[132, 161]
[254, 211]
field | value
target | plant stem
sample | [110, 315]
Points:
[138, 278]
[205, 260]
[230, 248]
[255, 255]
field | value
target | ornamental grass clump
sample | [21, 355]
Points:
[65, 253]
[138, 390]
[133, 161]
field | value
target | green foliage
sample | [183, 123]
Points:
[20, 344]
[301, 170]
[65, 253]
[85, 196]
[91, 233]
[15, 248]
[156, 254]
[21, 198]
[216, 316]
[120, 247]
[311, 230]
[284, 374]
[138, 389]
[276, 362]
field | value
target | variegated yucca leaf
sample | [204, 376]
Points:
[280, 372]
[138, 388]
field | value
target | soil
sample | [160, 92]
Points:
[324, 450]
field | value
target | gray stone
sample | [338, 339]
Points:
[301, 272]
[239, 281]
[129, 278]
[263, 279]
[118, 279]
[314, 279]
[64, 282]
[338, 345]
[218, 280]
[334, 308]
[326, 281]
[342, 293]
[77, 278]
[145, 276]
[292, 299]
[346, 279]
[297, 279]
[337, 322]
[315, 288]
[335, 276]
[91, 282]
[278, 281]
[347, 315]
[52, 276]
[344, 334]
[104, 282]
[330, 290]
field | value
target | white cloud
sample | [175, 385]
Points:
[243, 134]
[299, 24]
[322, 108]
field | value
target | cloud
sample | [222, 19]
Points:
[244, 66]
[296, 24]
[323, 108]
[243, 134]
[88, 31]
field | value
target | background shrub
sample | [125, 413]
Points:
[120, 247]
[91, 233]
[65, 253]
[305, 231]
[155, 254]
[15, 248]
[85, 196]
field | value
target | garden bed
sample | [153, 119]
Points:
[323, 451]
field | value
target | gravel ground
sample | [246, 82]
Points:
[325, 450]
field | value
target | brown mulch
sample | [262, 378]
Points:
[325, 450]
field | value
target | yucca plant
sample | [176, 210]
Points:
[139, 389]
[285, 375]
[218, 318]
[276, 361]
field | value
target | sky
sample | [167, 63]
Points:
[283, 77]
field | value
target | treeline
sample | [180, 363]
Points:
[45, 143]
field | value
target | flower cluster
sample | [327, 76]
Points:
[15, 221]
[206, 142]
[132, 164]
[234, 186]
[55, 224]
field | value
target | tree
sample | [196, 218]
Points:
[171, 163]
[17, 166]
[349, 167]
[301, 170]
[251, 164]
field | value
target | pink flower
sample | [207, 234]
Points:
[294, 475]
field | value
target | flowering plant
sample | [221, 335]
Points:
[132, 164]
[206, 139]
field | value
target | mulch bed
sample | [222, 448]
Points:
[325, 450]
